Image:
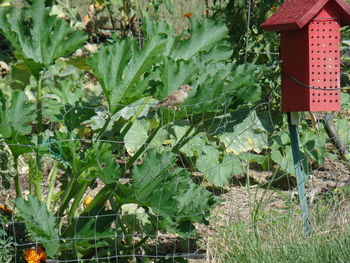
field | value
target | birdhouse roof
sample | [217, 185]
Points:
[294, 14]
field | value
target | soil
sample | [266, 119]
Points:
[239, 199]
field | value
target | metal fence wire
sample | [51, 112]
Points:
[240, 160]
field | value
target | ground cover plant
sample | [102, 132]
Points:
[83, 122]
[277, 236]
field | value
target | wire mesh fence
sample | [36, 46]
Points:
[134, 228]
[140, 182]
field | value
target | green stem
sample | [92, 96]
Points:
[77, 198]
[38, 189]
[51, 182]
[138, 244]
[125, 231]
[184, 139]
[104, 127]
[17, 182]
[66, 198]
[134, 118]
[98, 201]
[37, 184]
[141, 149]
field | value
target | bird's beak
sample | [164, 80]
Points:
[190, 88]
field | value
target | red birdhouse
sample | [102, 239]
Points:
[310, 52]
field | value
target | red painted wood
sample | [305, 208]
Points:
[311, 55]
[295, 14]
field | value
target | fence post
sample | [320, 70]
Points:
[293, 121]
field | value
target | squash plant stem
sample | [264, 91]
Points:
[37, 183]
[17, 182]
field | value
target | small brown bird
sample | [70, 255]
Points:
[176, 98]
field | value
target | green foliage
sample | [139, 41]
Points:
[120, 66]
[7, 241]
[16, 114]
[216, 172]
[112, 131]
[40, 224]
[279, 236]
[205, 36]
[169, 192]
[38, 38]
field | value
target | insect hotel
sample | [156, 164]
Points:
[310, 52]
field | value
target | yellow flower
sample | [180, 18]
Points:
[87, 201]
[35, 256]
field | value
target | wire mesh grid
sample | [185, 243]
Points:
[91, 227]
[116, 230]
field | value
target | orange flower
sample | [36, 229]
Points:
[35, 256]
[5, 209]
[187, 14]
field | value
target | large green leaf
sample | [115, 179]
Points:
[68, 106]
[215, 171]
[168, 191]
[205, 35]
[174, 74]
[38, 38]
[119, 67]
[247, 131]
[15, 114]
[40, 223]
[136, 136]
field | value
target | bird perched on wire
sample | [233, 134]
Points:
[176, 98]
